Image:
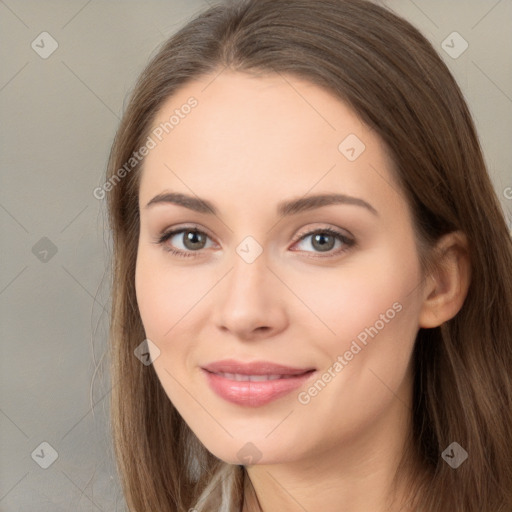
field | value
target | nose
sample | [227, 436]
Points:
[250, 303]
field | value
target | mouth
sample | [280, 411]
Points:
[254, 384]
[255, 368]
[240, 377]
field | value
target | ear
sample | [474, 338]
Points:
[448, 285]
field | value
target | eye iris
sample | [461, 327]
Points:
[319, 238]
[195, 240]
[191, 237]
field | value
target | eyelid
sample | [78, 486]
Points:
[347, 239]
[166, 234]
[324, 228]
[296, 238]
[185, 227]
[348, 242]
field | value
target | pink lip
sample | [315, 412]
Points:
[254, 393]
[254, 368]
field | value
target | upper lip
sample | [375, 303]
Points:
[253, 368]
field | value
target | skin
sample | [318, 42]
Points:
[250, 143]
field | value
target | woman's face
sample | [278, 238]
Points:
[263, 281]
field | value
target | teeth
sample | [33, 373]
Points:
[253, 378]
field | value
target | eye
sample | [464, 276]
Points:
[192, 239]
[324, 240]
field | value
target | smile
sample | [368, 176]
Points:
[252, 378]
[254, 390]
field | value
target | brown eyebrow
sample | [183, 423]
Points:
[284, 208]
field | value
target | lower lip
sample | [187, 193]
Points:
[254, 394]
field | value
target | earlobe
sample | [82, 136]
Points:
[448, 286]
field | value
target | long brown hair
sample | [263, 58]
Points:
[384, 69]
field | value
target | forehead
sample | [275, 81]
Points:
[264, 136]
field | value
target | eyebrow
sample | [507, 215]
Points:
[284, 208]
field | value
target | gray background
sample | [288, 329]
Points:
[59, 116]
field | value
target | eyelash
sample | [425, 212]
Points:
[348, 243]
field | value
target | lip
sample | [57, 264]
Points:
[254, 368]
[254, 393]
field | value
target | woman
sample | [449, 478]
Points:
[311, 283]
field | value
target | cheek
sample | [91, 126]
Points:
[354, 297]
[151, 299]
[164, 294]
[372, 308]
[374, 312]
[147, 306]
